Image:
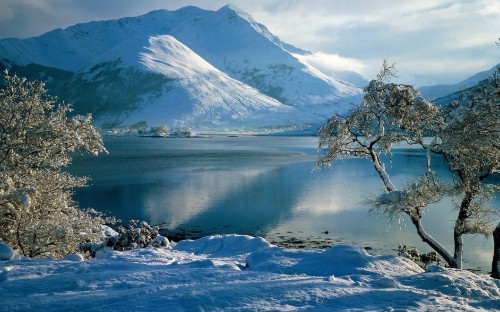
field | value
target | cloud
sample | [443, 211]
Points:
[491, 9]
[6, 14]
[332, 63]
[430, 41]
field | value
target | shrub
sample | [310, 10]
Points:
[138, 234]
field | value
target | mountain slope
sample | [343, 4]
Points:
[170, 84]
[75, 47]
[214, 97]
[438, 91]
[186, 68]
[247, 51]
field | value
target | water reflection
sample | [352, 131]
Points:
[259, 186]
[199, 192]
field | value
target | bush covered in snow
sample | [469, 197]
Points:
[140, 128]
[422, 259]
[138, 234]
[38, 217]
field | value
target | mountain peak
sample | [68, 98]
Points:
[232, 13]
[232, 9]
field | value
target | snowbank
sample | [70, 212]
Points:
[239, 273]
[7, 253]
[223, 245]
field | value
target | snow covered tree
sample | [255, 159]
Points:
[470, 144]
[159, 130]
[465, 133]
[37, 214]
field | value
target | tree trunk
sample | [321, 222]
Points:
[429, 240]
[379, 167]
[414, 217]
[459, 247]
[495, 265]
[459, 229]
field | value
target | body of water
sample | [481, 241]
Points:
[263, 186]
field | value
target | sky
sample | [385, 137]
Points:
[430, 41]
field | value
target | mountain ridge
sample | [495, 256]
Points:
[442, 90]
[232, 72]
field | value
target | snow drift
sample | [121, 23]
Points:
[240, 273]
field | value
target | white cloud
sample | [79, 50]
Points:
[418, 35]
[491, 9]
[331, 63]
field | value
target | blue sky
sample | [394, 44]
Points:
[431, 41]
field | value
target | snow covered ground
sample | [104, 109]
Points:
[239, 273]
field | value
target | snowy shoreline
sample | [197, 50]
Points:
[240, 273]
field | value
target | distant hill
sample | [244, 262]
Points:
[438, 91]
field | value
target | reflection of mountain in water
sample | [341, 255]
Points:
[198, 191]
[259, 186]
[251, 207]
[199, 194]
[123, 201]
[182, 185]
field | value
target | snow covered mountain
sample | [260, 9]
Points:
[438, 91]
[248, 52]
[206, 70]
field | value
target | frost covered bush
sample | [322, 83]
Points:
[142, 128]
[422, 259]
[138, 234]
[38, 217]
[158, 131]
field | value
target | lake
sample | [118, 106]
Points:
[261, 185]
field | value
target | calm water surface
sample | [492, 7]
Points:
[260, 186]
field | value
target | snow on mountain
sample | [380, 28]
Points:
[186, 68]
[247, 51]
[162, 81]
[442, 90]
[77, 46]
[217, 100]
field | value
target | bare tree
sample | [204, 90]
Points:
[465, 133]
[37, 214]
